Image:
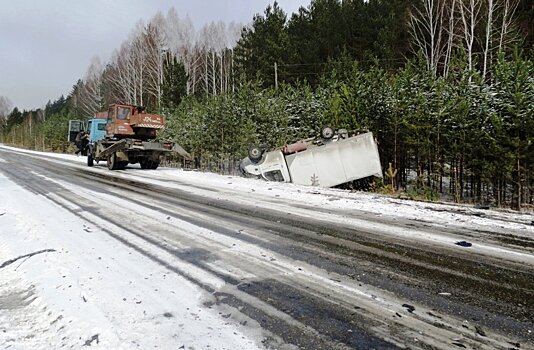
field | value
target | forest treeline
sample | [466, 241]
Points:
[446, 86]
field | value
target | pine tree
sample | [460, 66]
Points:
[174, 87]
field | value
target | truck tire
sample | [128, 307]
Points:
[149, 164]
[113, 163]
[255, 153]
[327, 133]
[90, 161]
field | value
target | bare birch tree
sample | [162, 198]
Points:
[507, 35]
[5, 108]
[155, 51]
[181, 39]
[90, 98]
[135, 74]
[138, 59]
[206, 43]
[451, 36]
[498, 33]
[216, 42]
[121, 76]
[480, 27]
[126, 75]
[491, 7]
[470, 16]
[429, 32]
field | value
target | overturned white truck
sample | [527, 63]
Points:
[333, 159]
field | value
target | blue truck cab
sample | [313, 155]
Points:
[96, 129]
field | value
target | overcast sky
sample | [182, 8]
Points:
[46, 46]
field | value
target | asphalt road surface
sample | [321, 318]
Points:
[316, 284]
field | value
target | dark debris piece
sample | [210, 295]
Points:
[460, 345]
[409, 308]
[464, 244]
[90, 341]
[434, 315]
[480, 331]
[11, 261]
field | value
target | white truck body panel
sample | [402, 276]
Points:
[332, 164]
[336, 163]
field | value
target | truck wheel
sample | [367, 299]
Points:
[154, 165]
[145, 164]
[327, 133]
[255, 153]
[90, 156]
[113, 164]
[122, 165]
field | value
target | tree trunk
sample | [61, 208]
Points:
[516, 195]
[461, 178]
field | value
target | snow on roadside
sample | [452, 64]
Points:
[86, 288]
[255, 191]
[303, 200]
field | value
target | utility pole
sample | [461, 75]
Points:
[275, 75]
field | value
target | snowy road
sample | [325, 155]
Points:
[173, 259]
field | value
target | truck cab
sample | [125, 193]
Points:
[273, 167]
[96, 128]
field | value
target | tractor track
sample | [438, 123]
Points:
[486, 291]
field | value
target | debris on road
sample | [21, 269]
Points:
[464, 244]
[11, 261]
[480, 331]
[89, 342]
[409, 308]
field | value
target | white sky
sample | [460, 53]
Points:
[46, 46]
